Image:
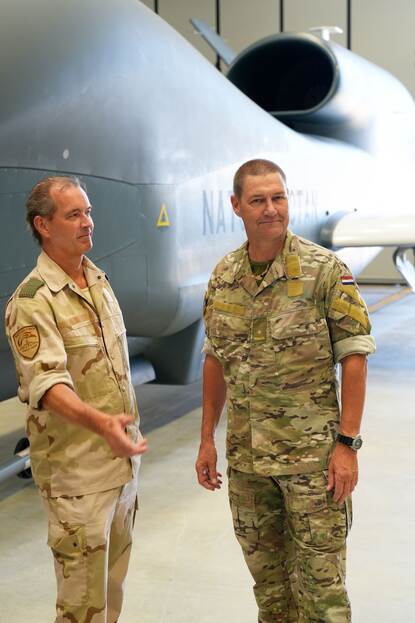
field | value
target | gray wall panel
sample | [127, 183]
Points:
[383, 32]
[178, 13]
[300, 15]
[243, 21]
[149, 3]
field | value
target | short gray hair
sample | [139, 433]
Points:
[254, 167]
[40, 203]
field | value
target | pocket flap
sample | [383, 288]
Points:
[228, 326]
[307, 504]
[301, 323]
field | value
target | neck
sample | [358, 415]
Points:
[264, 250]
[72, 266]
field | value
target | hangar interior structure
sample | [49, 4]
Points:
[186, 565]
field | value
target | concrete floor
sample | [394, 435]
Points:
[186, 564]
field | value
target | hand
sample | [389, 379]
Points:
[206, 461]
[343, 472]
[117, 438]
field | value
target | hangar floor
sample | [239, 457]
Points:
[186, 565]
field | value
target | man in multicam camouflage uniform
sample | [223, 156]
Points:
[280, 312]
[68, 339]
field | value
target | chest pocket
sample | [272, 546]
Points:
[301, 344]
[81, 334]
[229, 335]
[86, 361]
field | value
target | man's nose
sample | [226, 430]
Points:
[270, 206]
[87, 220]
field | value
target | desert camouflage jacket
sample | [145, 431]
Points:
[278, 343]
[57, 336]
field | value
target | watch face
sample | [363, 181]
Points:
[357, 443]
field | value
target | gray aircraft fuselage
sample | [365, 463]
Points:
[109, 92]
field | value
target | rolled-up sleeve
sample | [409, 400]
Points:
[347, 315]
[37, 348]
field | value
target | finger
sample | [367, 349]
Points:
[347, 490]
[330, 481]
[205, 479]
[205, 482]
[131, 448]
[125, 419]
[338, 490]
[201, 471]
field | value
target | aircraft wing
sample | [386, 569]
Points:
[214, 41]
[352, 229]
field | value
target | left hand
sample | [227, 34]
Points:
[343, 472]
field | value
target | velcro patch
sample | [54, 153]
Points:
[29, 289]
[27, 341]
[293, 265]
[259, 329]
[353, 292]
[295, 287]
[229, 308]
[350, 310]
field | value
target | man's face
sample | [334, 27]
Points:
[263, 207]
[69, 231]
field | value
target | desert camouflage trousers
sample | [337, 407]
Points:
[293, 538]
[90, 537]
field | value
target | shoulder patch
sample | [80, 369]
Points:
[29, 289]
[27, 341]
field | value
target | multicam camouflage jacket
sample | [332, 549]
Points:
[57, 336]
[278, 343]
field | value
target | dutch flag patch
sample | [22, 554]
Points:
[347, 280]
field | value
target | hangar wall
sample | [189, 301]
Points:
[380, 30]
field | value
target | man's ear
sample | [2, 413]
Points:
[41, 223]
[235, 205]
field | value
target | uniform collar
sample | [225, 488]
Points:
[287, 264]
[56, 278]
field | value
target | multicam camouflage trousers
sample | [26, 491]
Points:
[293, 538]
[90, 537]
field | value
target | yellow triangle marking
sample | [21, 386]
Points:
[163, 219]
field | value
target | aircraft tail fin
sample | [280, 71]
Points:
[214, 40]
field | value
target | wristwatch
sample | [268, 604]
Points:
[355, 443]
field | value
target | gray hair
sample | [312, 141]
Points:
[254, 167]
[40, 203]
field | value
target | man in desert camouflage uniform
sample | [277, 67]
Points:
[67, 335]
[280, 312]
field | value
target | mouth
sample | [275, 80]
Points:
[269, 222]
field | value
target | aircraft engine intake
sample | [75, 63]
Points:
[321, 88]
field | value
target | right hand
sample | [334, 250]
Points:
[206, 461]
[116, 436]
